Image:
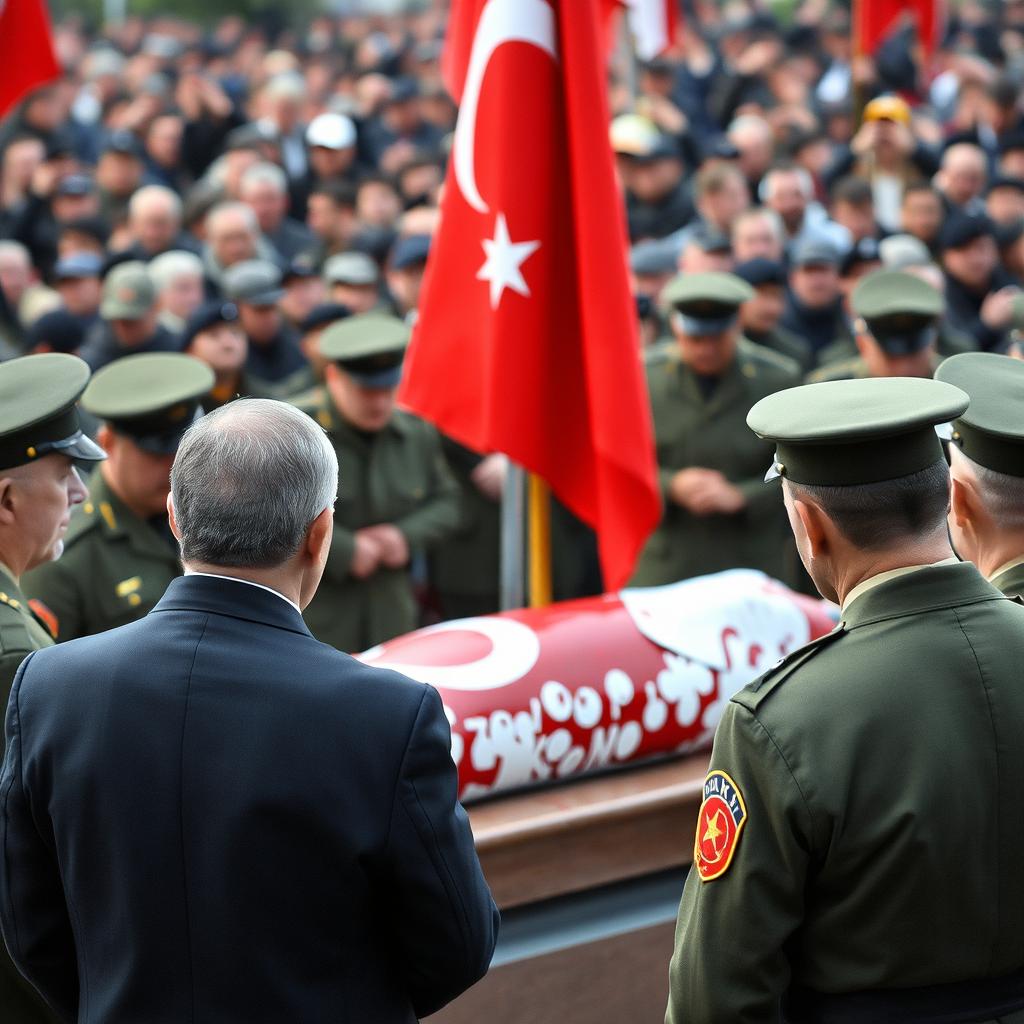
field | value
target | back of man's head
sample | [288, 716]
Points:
[248, 481]
[875, 517]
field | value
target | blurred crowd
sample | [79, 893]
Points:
[233, 193]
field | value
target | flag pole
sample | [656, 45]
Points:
[539, 499]
[512, 590]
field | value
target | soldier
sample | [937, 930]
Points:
[856, 852]
[399, 495]
[120, 554]
[761, 313]
[897, 329]
[717, 513]
[986, 515]
[40, 437]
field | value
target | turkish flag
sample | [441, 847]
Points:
[526, 341]
[874, 20]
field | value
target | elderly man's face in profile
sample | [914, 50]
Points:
[38, 498]
[368, 409]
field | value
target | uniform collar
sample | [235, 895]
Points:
[328, 416]
[992, 576]
[931, 587]
[250, 583]
[883, 577]
[9, 583]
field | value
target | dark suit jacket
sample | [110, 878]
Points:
[209, 816]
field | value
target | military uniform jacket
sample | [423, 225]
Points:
[397, 476]
[21, 632]
[712, 433]
[114, 569]
[879, 774]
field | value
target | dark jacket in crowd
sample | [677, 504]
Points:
[819, 328]
[101, 347]
[245, 825]
[276, 359]
[963, 310]
[658, 219]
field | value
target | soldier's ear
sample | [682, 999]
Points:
[172, 522]
[6, 504]
[814, 525]
[965, 506]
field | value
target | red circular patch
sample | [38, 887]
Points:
[715, 839]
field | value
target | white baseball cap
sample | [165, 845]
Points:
[331, 131]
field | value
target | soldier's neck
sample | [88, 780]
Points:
[1005, 547]
[855, 567]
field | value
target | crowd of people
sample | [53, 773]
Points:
[238, 194]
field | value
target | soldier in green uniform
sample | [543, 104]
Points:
[120, 553]
[718, 514]
[857, 853]
[40, 437]
[896, 327]
[986, 515]
[398, 496]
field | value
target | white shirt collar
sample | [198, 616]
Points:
[1005, 567]
[248, 583]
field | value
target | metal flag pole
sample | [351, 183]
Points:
[512, 590]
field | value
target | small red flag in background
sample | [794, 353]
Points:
[27, 58]
[526, 341]
[874, 19]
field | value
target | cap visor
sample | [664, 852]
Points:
[704, 327]
[384, 379]
[269, 298]
[83, 448]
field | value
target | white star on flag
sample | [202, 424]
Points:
[504, 258]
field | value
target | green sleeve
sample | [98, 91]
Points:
[438, 516]
[665, 477]
[729, 963]
[343, 548]
[55, 585]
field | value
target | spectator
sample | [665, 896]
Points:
[232, 235]
[789, 191]
[979, 292]
[331, 156]
[706, 249]
[378, 204]
[281, 102]
[154, 223]
[331, 217]
[76, 278]
[752, 136]
[814, 306]
[652, 264]
[214, 336]
[178, 279]
[720, 195]
[311, 330]
[853, 207]
[401, 131]
[255, 287]
[921, 214]
[961, 177]
[128, 319]
[304, 288]
[15, 278]
[118, 174]
[758, 234]
[164, 151]
[353, 280]
[1004, 200]
[264, 188]
[405, 273]
[56, 331]
[761, 314]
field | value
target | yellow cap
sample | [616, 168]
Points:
[888, 108]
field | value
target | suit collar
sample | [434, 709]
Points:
[217, 596]
[927, 589]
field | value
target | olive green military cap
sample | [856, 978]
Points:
[152, 398]
[128, 292]
[38, 415]
[849, 432]
[991, 431]
[369, 347]
[899, 310]
[707, 303]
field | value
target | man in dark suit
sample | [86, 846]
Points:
[207, 815]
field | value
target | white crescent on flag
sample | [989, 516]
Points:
[501, 21]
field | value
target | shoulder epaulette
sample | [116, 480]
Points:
[661, 353]
[83, 520]
[753, 694]
[848, 369]
[759, 357]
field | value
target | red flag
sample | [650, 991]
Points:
[874, 19]
[526, 342]
[26, 50]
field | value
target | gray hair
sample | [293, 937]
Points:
[169, 266]
[265, 174]
[225, 211]
[247, 482]
[158, 195]
[16, 251]
[1001, 494]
